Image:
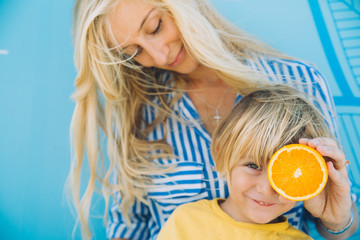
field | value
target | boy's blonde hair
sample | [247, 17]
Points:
[261, 123]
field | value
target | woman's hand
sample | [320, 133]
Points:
[333, 205]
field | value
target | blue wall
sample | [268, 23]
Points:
[36, 81]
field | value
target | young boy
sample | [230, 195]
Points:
[241, 150]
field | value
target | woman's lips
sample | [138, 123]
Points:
[178, 58]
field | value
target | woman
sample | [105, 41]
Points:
[156, 77]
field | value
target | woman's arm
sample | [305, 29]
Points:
[322, 225]
[338, 216]
[139, 215]
[323, 229]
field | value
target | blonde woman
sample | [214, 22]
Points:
[156, 77]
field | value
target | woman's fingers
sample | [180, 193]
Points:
[336, 177]
[327, 147]
[334, 153]
[339, 178]
[320, 141]
[303, 141]
[347, 162]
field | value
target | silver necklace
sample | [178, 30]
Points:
[217, 117]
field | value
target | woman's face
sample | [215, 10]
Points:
[151, 35]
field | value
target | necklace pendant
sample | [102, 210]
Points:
[217, 118]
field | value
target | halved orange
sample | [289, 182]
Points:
[297, 172]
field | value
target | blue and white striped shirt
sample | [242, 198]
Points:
[194, 177]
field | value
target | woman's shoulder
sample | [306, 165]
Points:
[282, 69]
[284, 61]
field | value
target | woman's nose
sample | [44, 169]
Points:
[159, 53]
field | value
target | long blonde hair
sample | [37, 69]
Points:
[110, 93]
[261, 123]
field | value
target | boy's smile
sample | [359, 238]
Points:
[252, 199]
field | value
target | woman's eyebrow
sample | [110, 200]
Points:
[145, 18]
[142, 23]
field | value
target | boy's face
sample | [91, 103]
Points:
[252, 199]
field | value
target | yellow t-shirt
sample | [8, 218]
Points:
[205, 219]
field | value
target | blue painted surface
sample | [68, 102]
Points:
[36, 81]
[338, 24]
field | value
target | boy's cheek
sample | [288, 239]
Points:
[286, 201]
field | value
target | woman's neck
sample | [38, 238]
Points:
[211, 96]
[203, 77]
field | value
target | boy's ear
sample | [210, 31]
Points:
[227, 178]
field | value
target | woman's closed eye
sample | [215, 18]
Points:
[157, 29]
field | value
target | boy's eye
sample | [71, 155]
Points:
[253, 166]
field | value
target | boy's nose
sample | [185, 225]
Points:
[264, 185]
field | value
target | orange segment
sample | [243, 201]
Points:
[297, 172]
